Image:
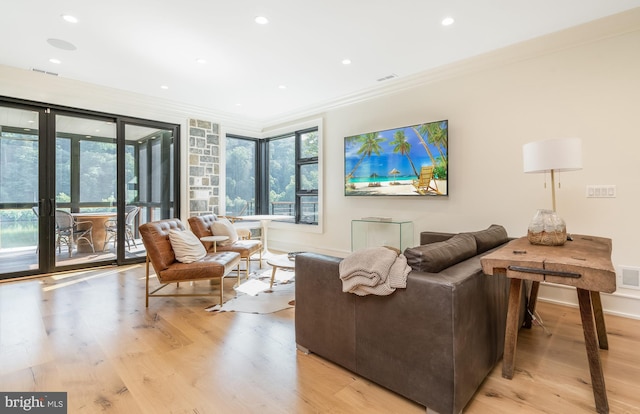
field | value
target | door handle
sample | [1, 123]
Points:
[43, 207]
[52, 204]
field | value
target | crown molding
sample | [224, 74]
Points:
[43, 88]
[597, 30]
[40, 87]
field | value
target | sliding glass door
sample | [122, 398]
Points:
[85, 188]
[19, 190]
[75, 186]
[149, 181]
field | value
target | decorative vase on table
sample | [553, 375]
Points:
[547, 228]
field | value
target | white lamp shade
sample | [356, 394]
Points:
[564, 154]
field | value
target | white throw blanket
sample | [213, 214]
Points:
[374, 271]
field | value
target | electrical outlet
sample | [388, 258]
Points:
[601, 191]
[628, 277]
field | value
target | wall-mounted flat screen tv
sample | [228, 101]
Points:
[407, 161]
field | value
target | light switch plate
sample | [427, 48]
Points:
[601, 191]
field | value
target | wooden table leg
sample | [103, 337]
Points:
[593, 353]
[273, 276]
[511, 332]
[599, 317]
[531, 304]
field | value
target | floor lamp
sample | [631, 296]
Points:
[552, 155]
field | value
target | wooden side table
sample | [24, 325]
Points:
[584, 263]
[214, 240]
[282, 262]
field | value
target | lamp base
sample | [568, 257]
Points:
[547, 229]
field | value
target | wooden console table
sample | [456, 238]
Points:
[584, 263]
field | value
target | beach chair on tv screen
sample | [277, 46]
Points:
[423, 183]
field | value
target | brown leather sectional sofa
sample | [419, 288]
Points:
[433, 342]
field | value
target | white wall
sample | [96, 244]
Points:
[591, 91]
[584, 82]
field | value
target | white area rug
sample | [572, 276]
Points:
[252, 287]
[254, 295]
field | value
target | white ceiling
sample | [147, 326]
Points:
[139, 45]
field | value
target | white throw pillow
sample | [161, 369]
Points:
[223, 227]
[186, 246]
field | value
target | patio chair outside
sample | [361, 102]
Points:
[69, 231]
[111, 228]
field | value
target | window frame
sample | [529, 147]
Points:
[262, 205]
[258, 161]
[300, 162]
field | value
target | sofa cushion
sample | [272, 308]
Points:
[186, 246]
[489, 238]
[427, 237]
[223, 227]
[435, 257]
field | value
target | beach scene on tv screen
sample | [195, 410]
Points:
[411, 160]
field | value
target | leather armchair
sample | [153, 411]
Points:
[155, 236]
[201, 226]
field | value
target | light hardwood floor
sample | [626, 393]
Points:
[89, 334]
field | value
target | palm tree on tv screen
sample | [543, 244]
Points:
[370, 145]
[402, 146]
[436, 136]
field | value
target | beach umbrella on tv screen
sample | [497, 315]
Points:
[394, 172]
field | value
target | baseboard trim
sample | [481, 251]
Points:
[619, 304]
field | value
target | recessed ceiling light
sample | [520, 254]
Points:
[56, 61]
[262, 20]
[282, 86]
[238, 104]
[61, 44]
[447, 21]
[164, 87]
[201, 61]
[346, 61]
[69, 18]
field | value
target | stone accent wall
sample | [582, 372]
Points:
[204, 167]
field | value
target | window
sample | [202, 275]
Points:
[282, 175]
[285, 183]
[86, 163]
[152, 189]
[241, 160]
[18, 166]
[307, 177]
[86, 169]
[98, 171]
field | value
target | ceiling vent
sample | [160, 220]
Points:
[44, 71]
[386, 78]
